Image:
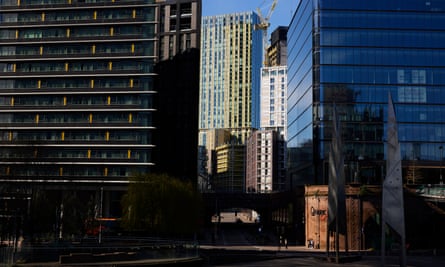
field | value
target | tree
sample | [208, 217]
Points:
[161, 204]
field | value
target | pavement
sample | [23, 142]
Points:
[303, 256]
[261, 256]
[233, 246]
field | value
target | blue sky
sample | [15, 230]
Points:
[281, 16]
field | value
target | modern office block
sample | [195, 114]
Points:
[352, 54]
[231, 50]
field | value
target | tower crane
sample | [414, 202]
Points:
[264, 25]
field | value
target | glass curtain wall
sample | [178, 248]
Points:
[352, 54]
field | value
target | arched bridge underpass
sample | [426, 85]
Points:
[264, 203]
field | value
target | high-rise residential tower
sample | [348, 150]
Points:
[77, 91]
[274, 97]
[266, 161]
[351, 54]
[80, 100]
[231, 51]
[266, 147]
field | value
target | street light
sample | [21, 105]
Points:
[440, 170]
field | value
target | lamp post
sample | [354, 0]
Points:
[101, 213]
[440, 170]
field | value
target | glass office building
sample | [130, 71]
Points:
[76, 90]
[352, 54]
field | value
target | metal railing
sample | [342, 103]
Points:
[90, 251]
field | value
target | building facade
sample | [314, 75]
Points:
[179, 26]
[265, 162]
[86, 97]
[76, 90]
[229, 175]
[277, 51]
[231, 50]
[177, 87]
[274, 97]
[207, 157]
[266, 147]
[352, 54]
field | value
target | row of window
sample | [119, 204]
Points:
[224, 20]
[84, 66]
[24, 3]
[382, 19]
[76, 154]
[382, 56]
[144, 137]
[111, 83]
[184, 9]
[382, 38]
[375, 151]
[67, 171]
[273, 73]
[144, 31]
[141, 119]
[358, 132]
[359, 93]
[399, 5]
[382, 75]
[146, 14]
[144, 48]
[44, 101]
[377, 113]
[183, 24]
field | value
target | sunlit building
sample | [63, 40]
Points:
[229, 175]
[274, 97]
[277, 51]
[266, 147]
[265, 162]
[231, 50]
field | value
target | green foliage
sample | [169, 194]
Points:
[160, 204]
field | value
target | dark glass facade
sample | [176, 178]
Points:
[353, 53]
[76, 90]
